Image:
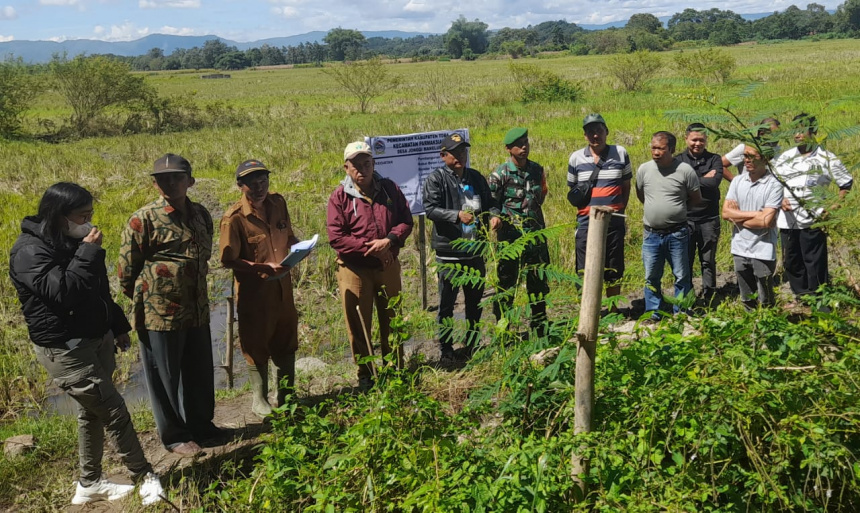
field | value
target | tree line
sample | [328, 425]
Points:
[468, 39]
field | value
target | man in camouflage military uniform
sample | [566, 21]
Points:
[519, 188]
[163, 265]
[256, 235]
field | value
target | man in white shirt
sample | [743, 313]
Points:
[735, 157]
[806, 172]
[751, 204]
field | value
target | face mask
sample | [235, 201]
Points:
[78, 231]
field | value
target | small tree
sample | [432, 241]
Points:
[709, 65]
[18, 88]
[439, 83]
[365, 80]
[92, 84]
[538, 84]
[515, 49]
[633, 69]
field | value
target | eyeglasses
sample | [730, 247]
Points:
[751, 156]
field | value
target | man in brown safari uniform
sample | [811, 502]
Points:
[256, 235]
[163, 263]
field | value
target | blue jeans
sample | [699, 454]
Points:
[657, 248]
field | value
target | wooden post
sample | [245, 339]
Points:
[228, 365]
[367, 340]
[586, 336]
[422, 255]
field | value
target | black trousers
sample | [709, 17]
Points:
[180, 376]
[804, 255]
[471, 299]
[509, 274]
[704, 236]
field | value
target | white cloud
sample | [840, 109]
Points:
[177, 31]
[6, 39]
[125, 32]
[8, 13]
[286, 11]
[418, 6]
[60, 2]
[58, 39]
[177, 4]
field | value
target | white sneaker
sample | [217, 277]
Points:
[101, 490]
[150, 489]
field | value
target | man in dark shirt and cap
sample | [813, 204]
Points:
[703, 219]
[455, 197]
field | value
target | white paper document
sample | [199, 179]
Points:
[300, 250]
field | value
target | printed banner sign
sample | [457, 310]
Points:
[409, 159]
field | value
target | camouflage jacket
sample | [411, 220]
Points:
[163, 263]
[518, 194]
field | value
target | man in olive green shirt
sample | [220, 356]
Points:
[518, 188]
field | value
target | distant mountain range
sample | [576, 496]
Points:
[42, 51]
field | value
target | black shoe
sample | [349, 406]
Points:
[446, 354]
[365, 383]
[213, 434]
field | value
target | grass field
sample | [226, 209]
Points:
[297, 121]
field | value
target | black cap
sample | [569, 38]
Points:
[171, 163]
[248, 167]
[454, 141]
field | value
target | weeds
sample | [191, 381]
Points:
[752, 411]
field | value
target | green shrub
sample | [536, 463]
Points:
[90, 85]
[538, 84]
[709, 64]
[632, 70]
[19, 86]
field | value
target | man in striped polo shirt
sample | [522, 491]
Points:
[611, 189]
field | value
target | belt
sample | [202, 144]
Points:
[667, 230]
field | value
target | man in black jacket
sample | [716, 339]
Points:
[455, 196]
[703, 220]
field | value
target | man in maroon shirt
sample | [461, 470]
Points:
[368, 221]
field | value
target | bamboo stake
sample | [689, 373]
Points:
[586, 336]
[366, 340]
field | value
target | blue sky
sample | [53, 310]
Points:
[251, 20]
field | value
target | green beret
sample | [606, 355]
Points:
[514, 134]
